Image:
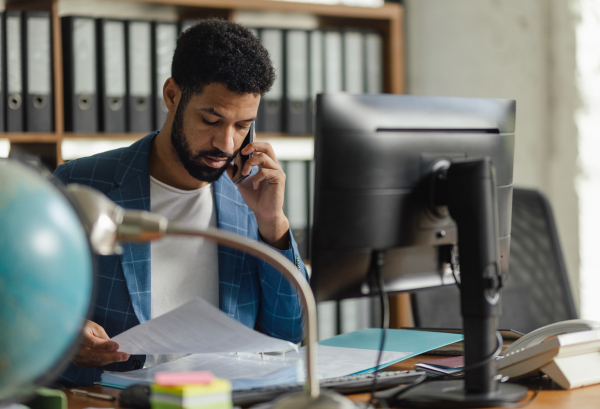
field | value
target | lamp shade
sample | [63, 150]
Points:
[46, 279]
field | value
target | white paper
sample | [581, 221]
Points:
[196, 327]
[337, 361]
[332, 362]
[224, 365]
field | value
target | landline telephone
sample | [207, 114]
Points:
[568, 352]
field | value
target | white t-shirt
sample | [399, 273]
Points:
[182, 268]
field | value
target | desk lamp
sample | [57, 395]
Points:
[107, 224]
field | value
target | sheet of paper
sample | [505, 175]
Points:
[223, 365]
[332, 362]
[196, 327]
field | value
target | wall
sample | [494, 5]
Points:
[522, 50]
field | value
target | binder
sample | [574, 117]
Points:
[80, 80]
[2, 71]
[139, 76]
[355, 314]
[38, 80]
[296, 199]
[110, 36]
[270, 110]
[373, 63]
[332, 58]
[296, 82]
[315, 74]
[327, 319]
[14, 96]
[164, 40]
[353, 62]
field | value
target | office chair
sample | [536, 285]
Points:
[537, 291]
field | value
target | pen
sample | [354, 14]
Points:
[80, 392]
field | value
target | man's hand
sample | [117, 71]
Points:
[96, 348]
[264, 192]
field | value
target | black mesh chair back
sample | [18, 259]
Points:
[537, 291]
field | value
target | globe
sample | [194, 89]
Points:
[46, 278]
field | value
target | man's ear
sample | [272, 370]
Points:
[171, 94]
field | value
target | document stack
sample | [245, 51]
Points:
[192, 390]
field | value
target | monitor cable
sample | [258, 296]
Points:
[377, 263]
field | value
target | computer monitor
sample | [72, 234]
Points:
[409, 176]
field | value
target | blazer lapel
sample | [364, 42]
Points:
[133, 178]
[232, 215]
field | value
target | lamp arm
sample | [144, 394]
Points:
[287, 269]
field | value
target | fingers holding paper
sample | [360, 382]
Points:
[96, 348]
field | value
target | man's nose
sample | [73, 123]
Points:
[224, 140]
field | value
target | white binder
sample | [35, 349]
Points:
[165, 41]
[374, 63]
[333, 68]
[139, 69]
[296, 82]
[353, 62]
[39, 98]
[270, 112]
[316, 73]
[14, 73]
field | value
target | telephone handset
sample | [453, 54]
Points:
[567, 351]
[558, 328]
[240, 160]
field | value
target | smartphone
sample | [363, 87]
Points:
[239, 160]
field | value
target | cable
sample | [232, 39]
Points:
[378, 261]
[485, 361]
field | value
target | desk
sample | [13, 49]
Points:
[582, 398]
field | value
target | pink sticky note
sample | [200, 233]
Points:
[183, 378]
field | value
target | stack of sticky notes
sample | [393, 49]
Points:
[190, 390]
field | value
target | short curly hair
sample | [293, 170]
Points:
[216, 50]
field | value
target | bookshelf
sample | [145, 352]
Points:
[386, 20]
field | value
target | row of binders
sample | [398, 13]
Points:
[311, 62]
[26, 81]
[114, 71]
[334, 317]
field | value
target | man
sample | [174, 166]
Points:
[219, 73]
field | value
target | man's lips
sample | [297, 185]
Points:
[216, 162]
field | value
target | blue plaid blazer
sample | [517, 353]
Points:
[251, 291]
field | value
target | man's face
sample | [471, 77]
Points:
[208, 131]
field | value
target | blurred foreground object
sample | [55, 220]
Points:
[46, 279]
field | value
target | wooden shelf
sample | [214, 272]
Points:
[30, 137]
[385, 12]
[387, 20]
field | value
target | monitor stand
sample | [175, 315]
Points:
[467, 190]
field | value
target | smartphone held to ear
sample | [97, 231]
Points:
[240, 160]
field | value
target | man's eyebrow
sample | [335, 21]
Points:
[214, 112]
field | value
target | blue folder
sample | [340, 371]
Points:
[397, 340]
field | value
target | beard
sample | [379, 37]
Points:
[192, 162]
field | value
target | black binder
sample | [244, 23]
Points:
[112, 77]
[139, 76]
[14, 96]
[315, 74]
[38, 79]
[296, 98]
[2, 71]
[270, 110]
[80, 80]
[164, 40]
